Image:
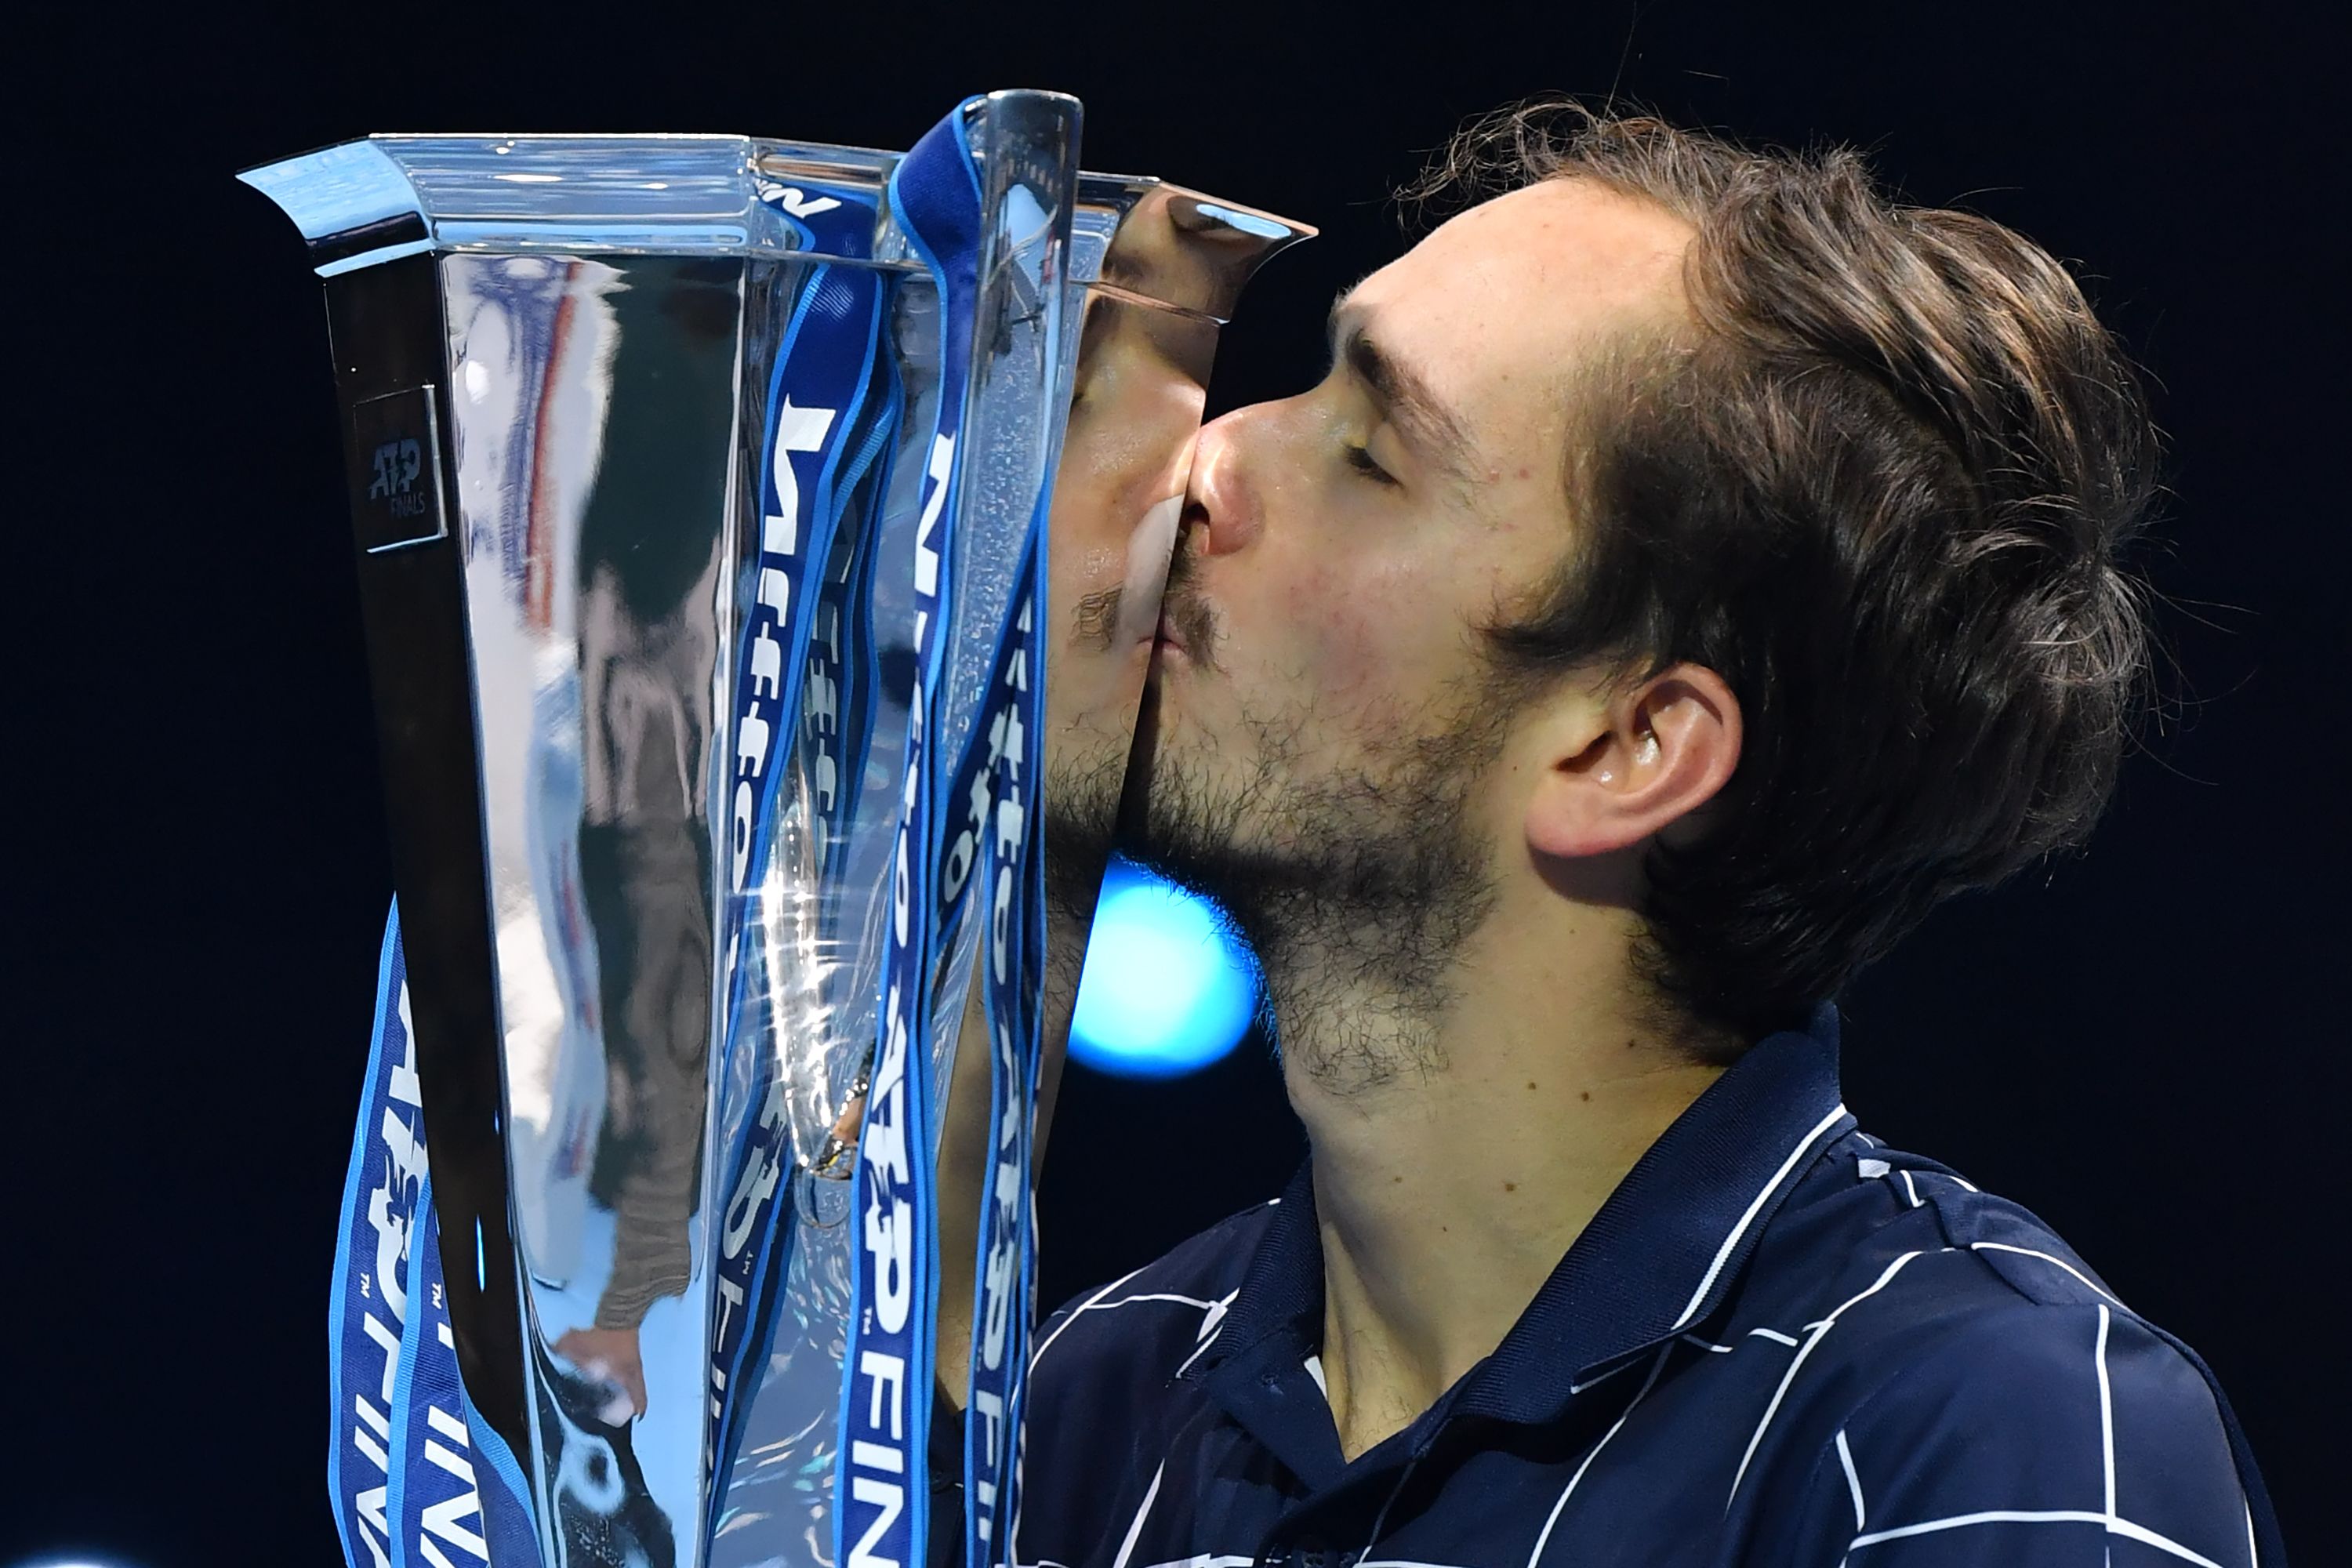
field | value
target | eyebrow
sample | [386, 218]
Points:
[1405, 399]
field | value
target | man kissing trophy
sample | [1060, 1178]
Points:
[722, 505]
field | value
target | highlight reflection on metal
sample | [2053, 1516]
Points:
[553, 354]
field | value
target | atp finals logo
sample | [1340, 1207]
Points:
[397, 466]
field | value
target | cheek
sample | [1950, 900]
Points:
[1363, 623]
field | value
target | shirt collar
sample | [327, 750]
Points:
[1659, 1255]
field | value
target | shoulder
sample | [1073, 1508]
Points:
[1910, 1274]
[1952, 1364]
[1925, 1248]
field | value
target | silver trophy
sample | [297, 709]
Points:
[691, 492]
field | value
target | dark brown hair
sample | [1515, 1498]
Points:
[1881, 490]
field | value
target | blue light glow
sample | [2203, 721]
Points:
[1166, 990]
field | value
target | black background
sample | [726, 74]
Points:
[2143, 1045]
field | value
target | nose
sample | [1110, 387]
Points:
[1220, 503]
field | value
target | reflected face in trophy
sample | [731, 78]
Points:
[1325, 718]
[1146, 342]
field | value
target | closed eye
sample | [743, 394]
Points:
[1361, 459]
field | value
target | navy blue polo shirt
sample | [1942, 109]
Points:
[1778, 1343]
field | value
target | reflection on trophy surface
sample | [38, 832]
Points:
[1145, 347]
[604, 849]
[642, 636]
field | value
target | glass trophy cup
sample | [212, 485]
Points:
[715, 500]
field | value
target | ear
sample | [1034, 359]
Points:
[1635, 764]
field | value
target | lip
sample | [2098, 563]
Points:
[1165, 640]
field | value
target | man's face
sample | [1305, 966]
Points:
[1324, 715]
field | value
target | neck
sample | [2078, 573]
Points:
[1461, 1142]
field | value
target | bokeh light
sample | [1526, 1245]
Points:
[1166, 989]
